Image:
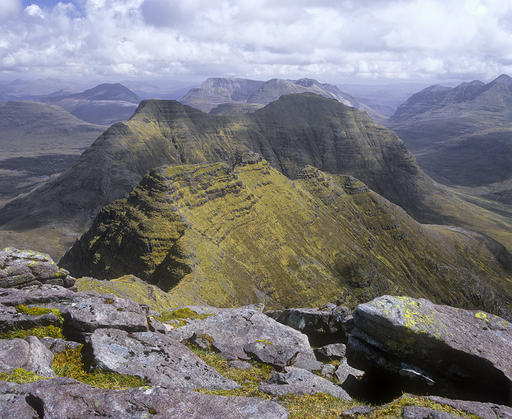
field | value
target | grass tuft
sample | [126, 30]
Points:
[21, 376]
[39, 332]
[70, 364]
[38, 311]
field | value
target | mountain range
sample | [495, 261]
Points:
[290, 133]
[462, 136]
[246, 95]
[38, 141]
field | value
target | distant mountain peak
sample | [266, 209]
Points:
[502, 78]
[108, 91]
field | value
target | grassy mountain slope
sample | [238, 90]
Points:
[233, 235]
[38, 141]
[295, 131]
[462, 136]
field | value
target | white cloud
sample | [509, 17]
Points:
[327, 39]
[34, 10]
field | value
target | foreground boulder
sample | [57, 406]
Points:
[154, 357]
[245, 333]
[409, 406]
[299, 381]
[64, 398]
[433, 348]
[322, 325]
[83, 313]
[21, 268]
[29, 354]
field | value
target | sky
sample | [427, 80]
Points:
[360, 41]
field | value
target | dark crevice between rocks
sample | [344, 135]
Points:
[35, 403]
[382, 384]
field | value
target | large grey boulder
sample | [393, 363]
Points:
[245, 333]
[83, 312]
[29, 354]
[434, 348]
[322, 325]
[90, 311]
[418, 412]
[331, 352]
[21, 268]
[155, 357]
[64, 398]
[299, 381]
[483, 410]
[415, 408]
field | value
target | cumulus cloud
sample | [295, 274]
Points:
[327, 39]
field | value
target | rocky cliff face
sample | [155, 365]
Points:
[234, 235]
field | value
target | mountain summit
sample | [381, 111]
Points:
[104, 104]
[220, 91]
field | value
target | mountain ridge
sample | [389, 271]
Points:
[236, 234]
[293, 132]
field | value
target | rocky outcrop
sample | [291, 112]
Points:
[431, 407]
[63, 398]
[82, 313]
[322, 325]
[299, 381]
[245, 333]
[29, 354]
[434, 348]
[11, 319]
[154, 357]
[21, 268]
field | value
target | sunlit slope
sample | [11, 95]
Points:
[229, 236]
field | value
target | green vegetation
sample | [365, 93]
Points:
[179, 317]
[394, 409]
[247, 379]
[232, 236]
[38, 311]
[20, 376]
[39, 332]
[70, 364]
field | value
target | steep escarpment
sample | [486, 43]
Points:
[233, 235]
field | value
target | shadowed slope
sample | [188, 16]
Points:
[462, 136]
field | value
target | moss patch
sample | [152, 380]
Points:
[180, 316]
[394, 409]
[70, 364]
[38, 311]
[305, 406]
[21, 376]
[39, 332]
